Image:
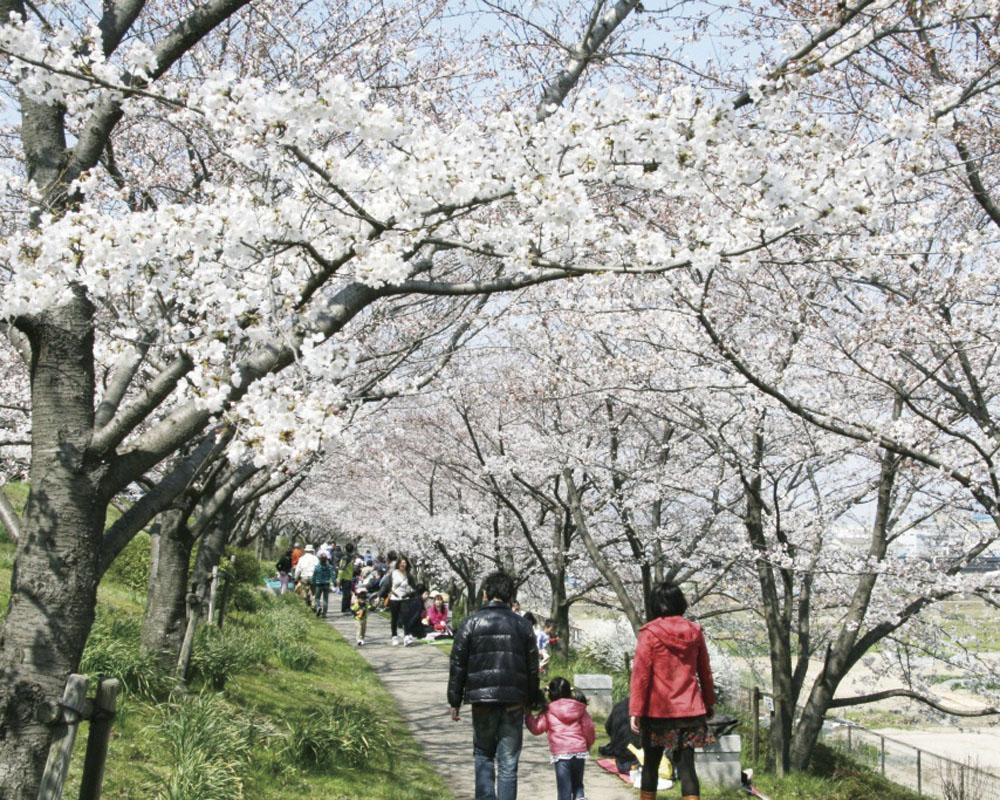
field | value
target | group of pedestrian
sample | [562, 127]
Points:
[494, 667]
[364, 583]
[496, 660]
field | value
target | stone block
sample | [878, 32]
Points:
[598, 690]
[719, 763]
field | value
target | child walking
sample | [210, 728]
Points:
[360, 610]
[570, 732]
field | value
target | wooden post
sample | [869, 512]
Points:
[920, 782]
[882, 741]
[97, 740]
[849, 745]
[184, 658]
[755, 715]
[68, 716]
[211, 594]
[226, 586]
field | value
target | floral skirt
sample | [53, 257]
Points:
[676, 733]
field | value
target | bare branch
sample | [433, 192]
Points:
[874, 697]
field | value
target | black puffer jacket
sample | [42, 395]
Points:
[494, 658]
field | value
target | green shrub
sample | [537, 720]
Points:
[131, 567]
[242, 597]
[246, 567]
[114, 650]
[344, 732]
[219, 654]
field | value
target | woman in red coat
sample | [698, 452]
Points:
[672, 694]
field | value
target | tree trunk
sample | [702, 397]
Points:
[164, 623]
[54, 585]
[210, 551]
[778, 629]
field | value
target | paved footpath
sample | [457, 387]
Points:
[417, 677]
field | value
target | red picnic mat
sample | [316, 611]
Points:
[611, 766]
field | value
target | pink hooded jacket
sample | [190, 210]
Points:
[569, 726]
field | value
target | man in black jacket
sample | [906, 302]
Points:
[494, 666]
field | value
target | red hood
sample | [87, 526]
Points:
[677, 633]
[567, 710]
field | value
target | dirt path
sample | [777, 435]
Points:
[417, 677]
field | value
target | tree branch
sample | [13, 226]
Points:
[874, 697]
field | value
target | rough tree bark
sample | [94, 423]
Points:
[56, 558]
[165, 619]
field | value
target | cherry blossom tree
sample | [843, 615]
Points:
[304, 198]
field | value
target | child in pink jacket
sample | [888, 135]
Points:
[571, 733]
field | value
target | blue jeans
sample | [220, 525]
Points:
[497, 732]
[322, 593]
[569, 778]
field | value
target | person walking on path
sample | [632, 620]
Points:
[570, 732]
[303, 574]
[346, 579]
[494, 667]
[671, 694]
[360, 610]
[399, 590]
[321, 579]
[413, 615]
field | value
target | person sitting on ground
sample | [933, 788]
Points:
[360, 610]
[413, 614]
[436, 618]
[303, 574]
[621, 736]
[570, 732]
[321, 579]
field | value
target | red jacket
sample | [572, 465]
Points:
[437, 618]
[569, 726]
[670, 661]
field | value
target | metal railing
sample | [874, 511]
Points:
[928, 774]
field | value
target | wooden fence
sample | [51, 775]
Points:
[65, 717]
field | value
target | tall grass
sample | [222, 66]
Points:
[114, 650]
[340, 732]
[209, 743]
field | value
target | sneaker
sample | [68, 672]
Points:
[395, 640]
[407, 640]
[361, 642]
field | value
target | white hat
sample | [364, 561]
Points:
[310, 548]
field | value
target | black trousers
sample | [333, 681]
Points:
[395, 606]
[345, 597]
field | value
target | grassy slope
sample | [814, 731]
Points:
[275, 697]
